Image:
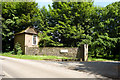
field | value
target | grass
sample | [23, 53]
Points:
[45, 57]
[33, 57]
[101, 59]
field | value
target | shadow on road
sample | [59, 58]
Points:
[106, 69]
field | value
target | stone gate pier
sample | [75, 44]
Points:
[82, 53]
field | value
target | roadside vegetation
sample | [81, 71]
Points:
[33, 57]
[101, 59]
[65, 24]
[48, 57]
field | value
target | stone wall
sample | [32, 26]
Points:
[55, 51]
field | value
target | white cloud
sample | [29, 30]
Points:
[43, 0]
[78, 0]
[106, 0]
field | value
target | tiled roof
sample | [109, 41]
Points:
[29, 30]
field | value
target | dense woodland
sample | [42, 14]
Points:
[67, 24]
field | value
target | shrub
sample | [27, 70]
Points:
[18, 49]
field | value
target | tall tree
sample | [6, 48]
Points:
[112, 24]
[70, 22]
[16, 16]
[105, 31]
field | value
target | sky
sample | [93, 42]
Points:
[101, 3]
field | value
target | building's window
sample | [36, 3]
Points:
[34, 40]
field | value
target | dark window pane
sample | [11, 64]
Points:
[34, 40]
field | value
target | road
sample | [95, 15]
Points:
[20, 68]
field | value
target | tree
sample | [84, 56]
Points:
[16, 17]
[105, 31]
[70, 22]
[112, 24]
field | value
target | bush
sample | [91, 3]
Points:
[12, 52]
[18, 49]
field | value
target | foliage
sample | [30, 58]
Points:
[103, 45]
[44, 39]
[67, 24]
[18, 49]
[16, 16]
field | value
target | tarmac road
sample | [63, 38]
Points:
[20, 68]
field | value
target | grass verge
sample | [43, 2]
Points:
[33, 57]
[101, 59]
[38, 57]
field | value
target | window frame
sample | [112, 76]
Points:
[33, 39]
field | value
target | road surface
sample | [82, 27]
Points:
[20, 68]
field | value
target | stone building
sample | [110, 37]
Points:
[27, 38]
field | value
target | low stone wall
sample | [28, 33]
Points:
[55, 51]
